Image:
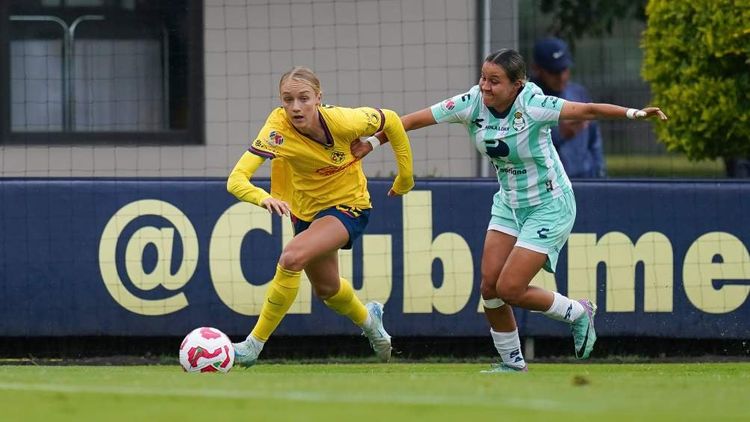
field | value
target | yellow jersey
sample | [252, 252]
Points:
[312, 176]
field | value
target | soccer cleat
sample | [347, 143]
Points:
[503, 367]
[584, 335]
[379, 339]
[246, 353]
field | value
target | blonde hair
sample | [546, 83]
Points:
[302, 74]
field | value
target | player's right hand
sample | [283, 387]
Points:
[360, 148]
[278, 206]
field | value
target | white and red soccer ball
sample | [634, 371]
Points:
[206, 349]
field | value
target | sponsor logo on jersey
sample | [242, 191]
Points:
[448, 105]
[502, 129]
[330, 170]
[496, 148]
[275, 138]
[519, 123]
[511, 170]
[372, 118]
[550, 98]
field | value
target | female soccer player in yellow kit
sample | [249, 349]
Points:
[316, 179]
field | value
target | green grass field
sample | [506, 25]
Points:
[369, 392]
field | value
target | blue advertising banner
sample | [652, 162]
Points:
[161, 257]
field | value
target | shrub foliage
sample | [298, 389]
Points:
[697, 61]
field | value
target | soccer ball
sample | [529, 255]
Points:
[206, 349]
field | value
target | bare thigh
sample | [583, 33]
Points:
[316, 251]
[497, 248]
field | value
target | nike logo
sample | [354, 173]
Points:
[557, 54]
[279, 304]
[585, 340]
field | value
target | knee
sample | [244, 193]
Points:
[324, 291]
[509, 293]
[488, 288]
[292, 259]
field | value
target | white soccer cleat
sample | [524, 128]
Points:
[376, 334]
[246, 352]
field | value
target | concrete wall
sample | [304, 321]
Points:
[403, 55]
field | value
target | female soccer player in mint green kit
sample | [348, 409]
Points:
[509, 120]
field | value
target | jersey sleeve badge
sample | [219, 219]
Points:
[448, 105]
[275, 139]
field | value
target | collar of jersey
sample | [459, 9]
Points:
[503, 114]
[329, 137]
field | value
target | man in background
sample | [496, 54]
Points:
[579, 143]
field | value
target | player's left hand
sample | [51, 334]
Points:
[273, 205]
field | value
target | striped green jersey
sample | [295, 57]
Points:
[516, 141]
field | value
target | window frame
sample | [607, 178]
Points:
[193, 134]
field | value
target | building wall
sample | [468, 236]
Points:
[403, 55]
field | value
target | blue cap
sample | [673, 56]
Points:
[552, 55]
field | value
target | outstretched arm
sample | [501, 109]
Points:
[589, 111]
[411, 121]
[394, 130]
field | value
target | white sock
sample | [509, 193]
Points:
[564, 309]
[508, 345]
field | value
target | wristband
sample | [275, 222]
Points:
[633, 113]
[374, 141]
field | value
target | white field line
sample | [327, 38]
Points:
[312, 397]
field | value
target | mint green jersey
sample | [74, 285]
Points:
[517, 142]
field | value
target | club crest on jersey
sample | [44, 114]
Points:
[337, 157]
[447, 105]
[518, 121]
[275, 139]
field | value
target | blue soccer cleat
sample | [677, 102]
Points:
[584, 334]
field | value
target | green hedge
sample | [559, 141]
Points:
[697, 61]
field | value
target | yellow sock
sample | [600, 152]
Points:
[279, 298]
[346, 303]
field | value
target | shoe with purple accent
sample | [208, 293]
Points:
[584, 334]
[503, 367]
